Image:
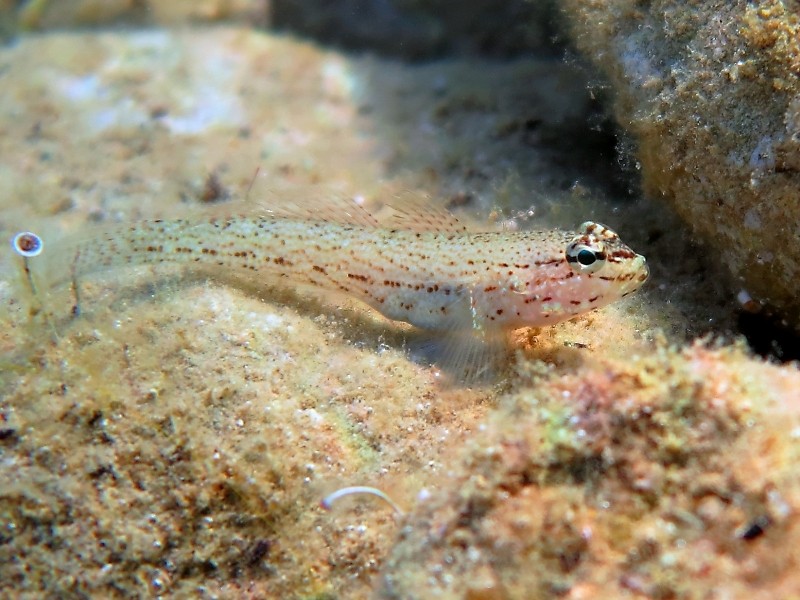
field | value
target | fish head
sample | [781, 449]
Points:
[590, 268]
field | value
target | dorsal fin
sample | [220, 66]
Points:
[408, 212]
[420, 214]
[344, 211]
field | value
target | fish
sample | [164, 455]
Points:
[422, 266]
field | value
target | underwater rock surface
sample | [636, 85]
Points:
[667, 476]
[709, 92]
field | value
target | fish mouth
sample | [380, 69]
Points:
[641, 266]
[640, 271]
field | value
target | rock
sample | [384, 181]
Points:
[709, 92]
[656, 475]
[44, 14]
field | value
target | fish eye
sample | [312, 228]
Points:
[585, 259]
[27, 244]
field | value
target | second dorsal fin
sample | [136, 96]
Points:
[337, 210]
[408, 212]
[420, 214]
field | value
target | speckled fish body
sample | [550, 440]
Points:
[440, 280]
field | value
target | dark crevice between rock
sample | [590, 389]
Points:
[417, 30]
[767, 336]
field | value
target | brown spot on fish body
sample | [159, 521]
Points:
[619, 255]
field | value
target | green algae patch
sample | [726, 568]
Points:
[630, 476]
